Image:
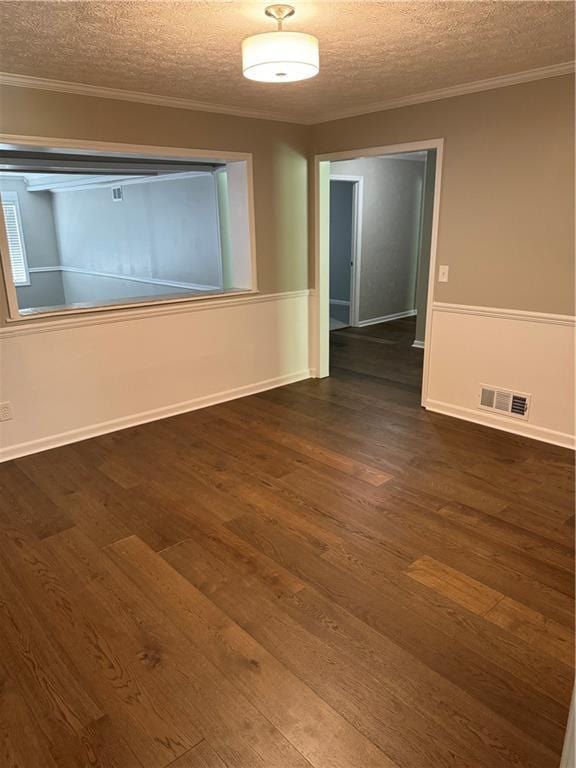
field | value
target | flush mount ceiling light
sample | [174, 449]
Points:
[280, 57]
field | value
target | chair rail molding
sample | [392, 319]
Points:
[104, 92]
[517, 350]
[109, 371]
[508, 314]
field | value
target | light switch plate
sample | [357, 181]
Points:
[443, 273]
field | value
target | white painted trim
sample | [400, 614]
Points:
[380, 151]
[357, 229]
[320, 306]
[505, 314]
[357, 225]
[26, 316]
[219, 235]
[439, 172]
[107, 182]
[419, 344]
[137, 312]
[321, 344]
[16, 141]
[132, 278]
[502, 423]
[119, 94]
[412, 157]
[81, 89]
[75, 435]
[340, 302]
[387, 318]
[569, 751]
[502, 81]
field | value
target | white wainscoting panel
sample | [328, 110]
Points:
[529, 352]
[75, 378]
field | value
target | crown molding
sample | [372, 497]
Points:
[554, 70]
[103, 92]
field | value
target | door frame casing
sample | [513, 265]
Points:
[320, 328]
[357, 213]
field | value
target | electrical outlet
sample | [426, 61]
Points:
[5, 411]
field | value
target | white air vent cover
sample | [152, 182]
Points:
[503, 401]
[117, 195]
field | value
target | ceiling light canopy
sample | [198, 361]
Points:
[280, 57]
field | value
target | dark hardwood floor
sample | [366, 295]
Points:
[322, 575]
[383, 351]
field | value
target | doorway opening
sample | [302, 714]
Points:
[346, 196]
[376, 244]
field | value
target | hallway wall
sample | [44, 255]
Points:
[341, 233]
[390, 234]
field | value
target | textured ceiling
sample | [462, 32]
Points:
[370, 51]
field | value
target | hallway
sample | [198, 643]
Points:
[383, 351]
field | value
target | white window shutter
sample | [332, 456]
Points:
[15, 238]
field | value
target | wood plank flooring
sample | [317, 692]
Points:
[319, 576]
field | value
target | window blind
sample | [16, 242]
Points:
[15, 240]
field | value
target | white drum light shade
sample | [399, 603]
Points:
[280, 57]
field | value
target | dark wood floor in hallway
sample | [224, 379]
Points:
[319, 576]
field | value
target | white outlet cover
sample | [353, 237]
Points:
[5, 411]
[443, 273]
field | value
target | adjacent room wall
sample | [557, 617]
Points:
[46, 289]
[37, 222]
[37, 215]
[390, 234]
[341, 233]
[160, 229]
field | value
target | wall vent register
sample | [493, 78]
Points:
[504, 401]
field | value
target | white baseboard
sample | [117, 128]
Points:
[518, 351]
[524, 429]
[340, 302]
[387, 318]
[129, 278]
[418, 344]
[84, 433]
[569, 751]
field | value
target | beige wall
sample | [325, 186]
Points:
[506, 230]
[507, 209]
[506, 221]
[279, 150]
